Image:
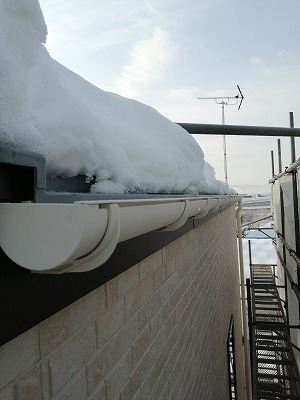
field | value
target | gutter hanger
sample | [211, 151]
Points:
[105, 248]
[181, 221]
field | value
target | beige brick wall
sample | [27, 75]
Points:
[157, 331]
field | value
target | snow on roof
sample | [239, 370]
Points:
[81, 129]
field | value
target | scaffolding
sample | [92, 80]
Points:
[274, 370]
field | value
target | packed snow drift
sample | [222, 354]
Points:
[127, 146]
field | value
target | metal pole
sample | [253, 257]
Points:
[248, 380]
[250, 323]
[223, 113]
[294, 285]
[282, 217]
[237, 130]
[272, 161]
[296, 222]
[293, 151]
[291, 252]
[279, 156]
[224, 143]
[296, 212]
[250, 255]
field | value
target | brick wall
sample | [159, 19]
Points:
[157, 331]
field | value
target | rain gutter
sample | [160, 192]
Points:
[79, 237]
[50, 229]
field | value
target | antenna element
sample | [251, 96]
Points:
[231, 100]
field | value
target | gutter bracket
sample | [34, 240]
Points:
[181, 221]
[105, 248]
[216, 206]
[208, 209]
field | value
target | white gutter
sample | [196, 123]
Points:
[57, 238]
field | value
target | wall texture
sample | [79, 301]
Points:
[156, 331]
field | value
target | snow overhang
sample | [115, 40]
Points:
[56, 232]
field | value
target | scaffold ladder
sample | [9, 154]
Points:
[274, 370]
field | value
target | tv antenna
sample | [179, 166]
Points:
[226, 101]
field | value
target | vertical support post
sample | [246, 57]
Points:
[225, 159]
[223, 112]
[272, 163]
[279, 156]
[250, 255]
[250, 323]
[248, 388]
[296, 222]
[224, 144]
[286, 303]
[293, 151]
[274, 272]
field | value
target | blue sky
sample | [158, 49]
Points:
[168, 53]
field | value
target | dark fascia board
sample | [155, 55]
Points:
[14, 156]
[27, 299]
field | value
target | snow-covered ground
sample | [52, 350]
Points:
[81, 129]
[253, 190]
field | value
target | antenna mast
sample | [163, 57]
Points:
[226, 101]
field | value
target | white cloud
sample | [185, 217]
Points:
[150, 58]
[265, 69]
[78, 28]
[183, 93]
[255, 60]
[282, 56]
